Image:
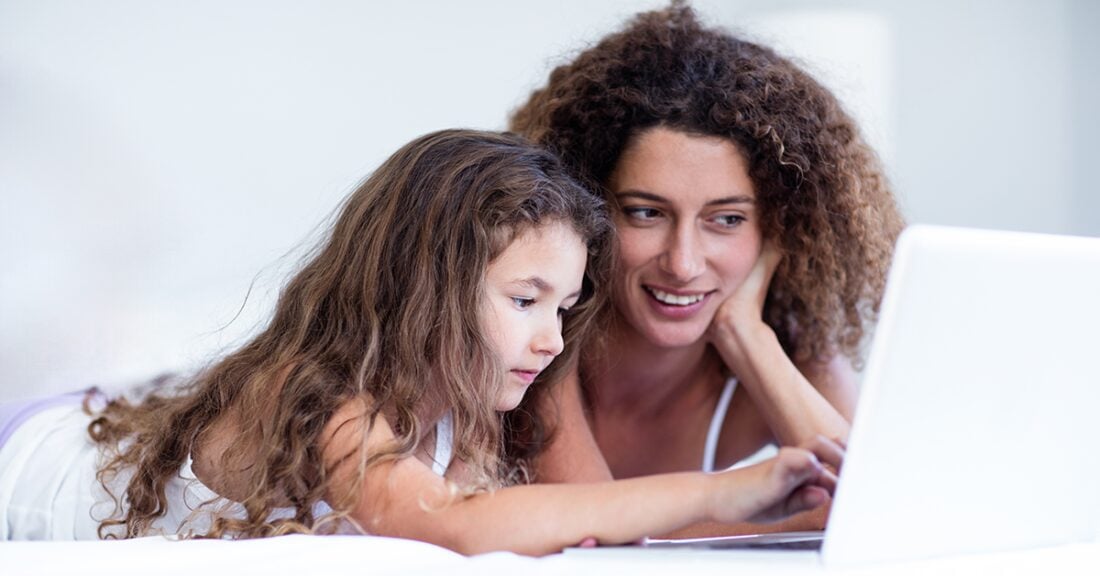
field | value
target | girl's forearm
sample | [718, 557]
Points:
[541, 519]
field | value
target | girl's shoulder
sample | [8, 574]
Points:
[221, 455]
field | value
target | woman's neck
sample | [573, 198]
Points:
[635, 376]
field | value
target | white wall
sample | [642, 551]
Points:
[158, 158]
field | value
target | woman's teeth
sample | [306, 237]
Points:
[675, 300]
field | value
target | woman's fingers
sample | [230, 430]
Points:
[761, 276]
[769, 260]
[744, 306]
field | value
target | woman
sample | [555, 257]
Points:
[754, 228]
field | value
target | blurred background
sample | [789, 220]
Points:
[163, 164]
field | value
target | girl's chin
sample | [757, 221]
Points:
[509, 401]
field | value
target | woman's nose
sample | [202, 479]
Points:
[683, 256]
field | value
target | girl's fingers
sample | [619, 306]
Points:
[827, 481]
[806, 498]
[828, 452]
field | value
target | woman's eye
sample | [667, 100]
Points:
[641, 213]
[729, 220]
[522, 303]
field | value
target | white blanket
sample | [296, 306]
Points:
[367, 555]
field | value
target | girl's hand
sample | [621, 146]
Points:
[795, 480]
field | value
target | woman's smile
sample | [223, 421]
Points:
[677, 304]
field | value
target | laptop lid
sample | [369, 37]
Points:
[977, 423]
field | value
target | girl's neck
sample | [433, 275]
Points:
[633, 375]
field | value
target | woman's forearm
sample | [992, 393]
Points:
[794, 409]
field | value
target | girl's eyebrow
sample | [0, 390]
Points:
[638, 194]
[538, 283]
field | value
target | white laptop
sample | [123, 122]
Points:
[978, 423]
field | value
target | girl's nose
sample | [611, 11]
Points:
[549, 340]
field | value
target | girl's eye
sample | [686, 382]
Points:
[641, 213]
[522, 303]
[729, 220]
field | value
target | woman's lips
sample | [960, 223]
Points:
[676, 304]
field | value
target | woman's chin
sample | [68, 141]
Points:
[674, 337]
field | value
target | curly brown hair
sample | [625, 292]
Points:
[824, 200]
[386, 311]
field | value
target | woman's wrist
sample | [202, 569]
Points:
[738, 341]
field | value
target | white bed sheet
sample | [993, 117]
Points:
[338, 555]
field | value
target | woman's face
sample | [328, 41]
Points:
[688, 232]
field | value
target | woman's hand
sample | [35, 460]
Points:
[744, 308]
[795, 480]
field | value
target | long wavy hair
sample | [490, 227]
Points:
[824, 200]
[385, 311]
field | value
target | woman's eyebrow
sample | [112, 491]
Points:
[641, 196]
[637, 194]
[732, 200]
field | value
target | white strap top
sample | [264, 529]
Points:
[48, 488]
[715, 430]
[444, 443]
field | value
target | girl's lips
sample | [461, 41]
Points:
[527, 376]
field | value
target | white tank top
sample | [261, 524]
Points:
[48, 488]
[444, 444]
[716, 421]
[710, 449]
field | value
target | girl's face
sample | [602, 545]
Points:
[688, 232]
[527, 288]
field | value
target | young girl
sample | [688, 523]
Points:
[382, 398]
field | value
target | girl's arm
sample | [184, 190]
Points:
[404, 498]
[796, 405]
